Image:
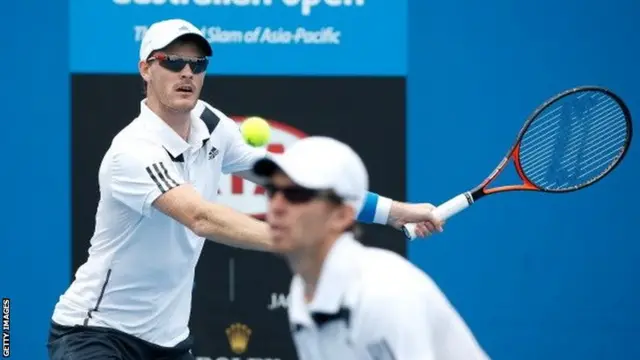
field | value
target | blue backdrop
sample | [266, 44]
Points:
[561, 287]
[536, 277]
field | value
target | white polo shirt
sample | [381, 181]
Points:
[140, 271]
[372, 304]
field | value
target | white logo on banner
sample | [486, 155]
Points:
[278, 301]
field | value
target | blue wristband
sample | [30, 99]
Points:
[368, 212]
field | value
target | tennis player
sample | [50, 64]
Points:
[346, 300]
[158, 185]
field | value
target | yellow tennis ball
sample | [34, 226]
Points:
[255, 131]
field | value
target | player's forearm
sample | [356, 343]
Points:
[227, 226]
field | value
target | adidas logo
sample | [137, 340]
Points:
[213, 153]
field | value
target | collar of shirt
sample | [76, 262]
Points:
[335, 279]
[172, 142]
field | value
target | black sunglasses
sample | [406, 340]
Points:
[300, 195]
[176, 63]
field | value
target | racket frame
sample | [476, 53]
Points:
[456, 204]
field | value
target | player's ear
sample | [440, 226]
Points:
[343, 216]
[145, 70]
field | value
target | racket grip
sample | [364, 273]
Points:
[442, 212]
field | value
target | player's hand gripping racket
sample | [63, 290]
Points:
[569, 142]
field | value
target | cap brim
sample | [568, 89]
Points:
[201, 41]
[268, 166]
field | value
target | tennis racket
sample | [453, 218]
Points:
[571, 141]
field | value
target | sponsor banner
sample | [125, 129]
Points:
[250, 37]
[239, 337]
[235, 286]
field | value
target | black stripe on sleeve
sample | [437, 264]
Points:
[166, 175]
[161, 176]
[153, 176]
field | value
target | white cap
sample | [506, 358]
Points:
[163, 33]
[321, 163]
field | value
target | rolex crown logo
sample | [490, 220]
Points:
[238, 335]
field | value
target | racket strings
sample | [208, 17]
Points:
[574, 141]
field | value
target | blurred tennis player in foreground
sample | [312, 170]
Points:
[348, 301]
[158, 187]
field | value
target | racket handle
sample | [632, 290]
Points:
[442, 212]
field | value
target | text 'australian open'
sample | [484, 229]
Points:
[305, 6]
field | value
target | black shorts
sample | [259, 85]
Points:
[96, 343]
